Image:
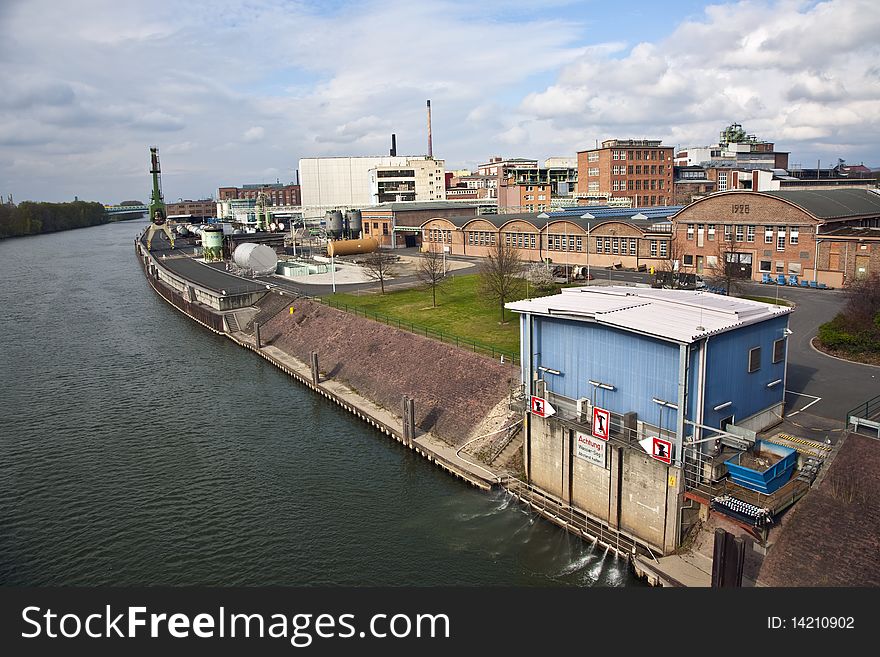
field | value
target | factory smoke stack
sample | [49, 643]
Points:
[297, 176]
[430, 148]
[393, 151]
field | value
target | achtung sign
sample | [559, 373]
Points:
[590, 449]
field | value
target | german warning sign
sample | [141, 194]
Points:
[657, 448]
[542, 407]
[601, 422]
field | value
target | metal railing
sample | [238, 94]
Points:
[574, 519]
[866, 414]
[427, 331]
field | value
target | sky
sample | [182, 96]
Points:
[235, 93]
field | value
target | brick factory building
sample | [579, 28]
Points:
[639, 170]
[782, 233]
[276, 193]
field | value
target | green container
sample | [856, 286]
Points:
[212, 242]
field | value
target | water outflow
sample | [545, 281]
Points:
[138, 448]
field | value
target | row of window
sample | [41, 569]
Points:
[439, 235]
[637, 155]
[564, 243]
[743, 232]
[779, 267]
[637, 185]
[375, 228]
[555, 242]
[664, 246]
[520, 240]
[480, 238]
[616, 245]
[622, 170]
[755, 355]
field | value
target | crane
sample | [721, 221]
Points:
[158, 211]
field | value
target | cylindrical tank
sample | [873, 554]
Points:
[212, 243]
[354, 221]
[281, 226]
[335, 222]
[181, 230]
[351, 247]
[273, 226]
[258, 257]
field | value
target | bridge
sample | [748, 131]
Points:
[119, 209]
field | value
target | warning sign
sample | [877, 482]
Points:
[590, 449]
[542, 407]
[662, 450]
[601, 422]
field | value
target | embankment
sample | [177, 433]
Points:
[453, 389]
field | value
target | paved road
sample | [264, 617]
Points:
[837, 385]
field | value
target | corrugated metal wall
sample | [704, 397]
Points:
[727, 375]
[638, 367]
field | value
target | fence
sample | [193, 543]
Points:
[427, 331]
[866, 414]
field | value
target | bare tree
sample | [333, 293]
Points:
[432, 272]
[724, 267]
[666, 274]
[380, 266]
[500, 274]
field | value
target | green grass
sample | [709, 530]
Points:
[772, 300]
[460, 311]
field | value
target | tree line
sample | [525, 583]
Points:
[29, 218]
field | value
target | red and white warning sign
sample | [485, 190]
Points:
[601, 422]
[657, 448]
[542, 407]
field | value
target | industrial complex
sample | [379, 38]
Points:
[633, 415]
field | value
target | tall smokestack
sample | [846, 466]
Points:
[430, 148]
[393, 145]
[297, 176]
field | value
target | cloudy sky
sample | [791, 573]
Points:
[236, 92]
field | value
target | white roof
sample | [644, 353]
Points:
[678, 315]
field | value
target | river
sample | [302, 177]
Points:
[138, 448]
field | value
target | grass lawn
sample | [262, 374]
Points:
[771, 300]
[460, 311]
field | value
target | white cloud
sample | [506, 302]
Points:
[253, 134]
[799, 73]
[231, 92]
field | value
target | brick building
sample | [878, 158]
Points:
[604, 237]
[276, 193]
[201, 209]
[640, 170]
[398, 225]
[782, 232]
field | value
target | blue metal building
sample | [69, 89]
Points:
[679, 364]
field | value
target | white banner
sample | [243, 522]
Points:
[591, 449]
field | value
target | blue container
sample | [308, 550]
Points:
[763, 481]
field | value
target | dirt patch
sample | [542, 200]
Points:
[454, 390]
[832, 537]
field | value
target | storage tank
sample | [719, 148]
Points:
[257, 257]
[181, 230]
[334, 221]
[212, 243]
[351, 247]
[354, 222]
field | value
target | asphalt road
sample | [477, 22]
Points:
[824, 386]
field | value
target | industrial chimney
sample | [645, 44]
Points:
[430, 148]
[393, 151]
